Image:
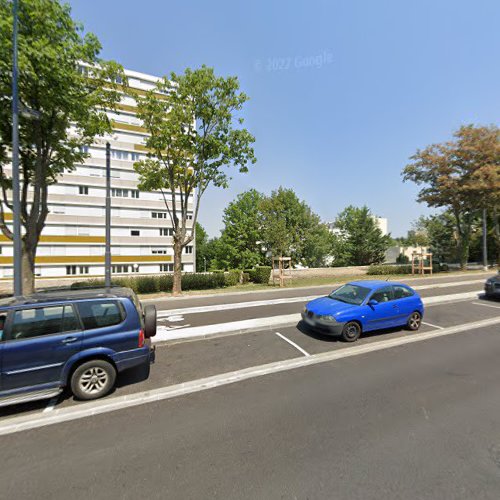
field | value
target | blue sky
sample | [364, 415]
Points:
[342, 91]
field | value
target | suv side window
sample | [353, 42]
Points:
[27, 323]
[383, 294]
[99, 314]
[401, 292]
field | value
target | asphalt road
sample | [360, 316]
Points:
[418, 420]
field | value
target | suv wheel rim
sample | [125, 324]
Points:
[415, 321]
[93, 380]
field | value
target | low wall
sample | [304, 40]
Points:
[329, 271]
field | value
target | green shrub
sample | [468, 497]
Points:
[232, 277]
[402, 259]
[385, 270]
[261, 274]
[165, 282]
[245, 277]
[202, 281]
[144, 284]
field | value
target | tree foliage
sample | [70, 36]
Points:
[68, 103]
[358, 241]
[462, 176]
[291, 228]
[195, 133]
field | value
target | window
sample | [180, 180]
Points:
[134, 193]
[84, 269]
[166, 231]
[350, 294]
[70, 269]
[135, 232]
[1, 250]
[119, 193]
[3, 319]
[159, 215]
[383, 294]
[400, 292]
[159, 251]
[189, 216]
[188, 249]
[43, 321]
[84, 149]
[167, 268]
[120, 269]
[100, 314]
[119, 155]
[83, 190]
[135, 156]
[135, 268]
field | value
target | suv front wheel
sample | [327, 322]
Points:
[93, 379]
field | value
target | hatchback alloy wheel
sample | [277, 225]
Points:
[414, 321]
[351, 331]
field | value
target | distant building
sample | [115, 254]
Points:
[72, 242]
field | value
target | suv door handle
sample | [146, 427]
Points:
[69, 340]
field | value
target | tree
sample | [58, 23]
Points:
[461, 176]
[241, 236]
[440, 234]
[201, 241]
[194, 135]
[69, 103]
[291, 228]
[358, 240]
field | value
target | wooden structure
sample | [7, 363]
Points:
[282, 270]
[421, 262]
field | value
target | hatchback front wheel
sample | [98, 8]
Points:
[93, 379]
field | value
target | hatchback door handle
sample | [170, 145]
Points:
[68, 340]
[395, 307]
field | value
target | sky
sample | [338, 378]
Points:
[342, 92]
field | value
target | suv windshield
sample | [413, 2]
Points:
[351, 294]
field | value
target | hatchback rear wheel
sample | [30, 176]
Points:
[414, 321]
[93, 379]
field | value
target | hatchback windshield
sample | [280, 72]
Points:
[351, 294]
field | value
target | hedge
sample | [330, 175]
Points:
[401, 269]
[232, 277]
[261, 274]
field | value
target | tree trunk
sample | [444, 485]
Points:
[28, 269]
[463, 251]
[177, 285]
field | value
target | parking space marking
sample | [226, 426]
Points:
[304, 352]
[99, 407]
[433, 326]
[486, 305]
[51, 404]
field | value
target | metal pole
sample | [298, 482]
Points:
[16, 203]
[485, 241]
[107, 254]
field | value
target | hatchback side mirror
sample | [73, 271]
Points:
[372, 302]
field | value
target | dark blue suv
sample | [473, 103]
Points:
[78, 339]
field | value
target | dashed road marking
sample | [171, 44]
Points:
[433, 326]
[286, 339]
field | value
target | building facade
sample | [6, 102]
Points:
[73, 240]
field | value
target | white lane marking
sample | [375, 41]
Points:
[173, 318]
[486, 305]
[236, 305]
[262, 303]
[433, 326]
[26, 422]
[447, 284]
[51, 404]
[304, 352]
[246, 325]
[271, 322]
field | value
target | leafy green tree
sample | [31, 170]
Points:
[291, 228]
[241, 235]
[462, 176]
[69, 104]
[441, 237]
[358, 241]
[194, 135]
[201, 241]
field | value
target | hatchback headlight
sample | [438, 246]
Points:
[304, 310]
[328, 318]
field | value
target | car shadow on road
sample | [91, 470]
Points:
[306, 330]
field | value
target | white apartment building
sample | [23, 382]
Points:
[73, 241]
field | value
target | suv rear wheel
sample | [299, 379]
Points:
[93, 379]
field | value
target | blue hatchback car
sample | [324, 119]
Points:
[364, 306]
[78, 339]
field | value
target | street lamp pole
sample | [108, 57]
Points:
[107, 253]
[16, 203]
[485, 241]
